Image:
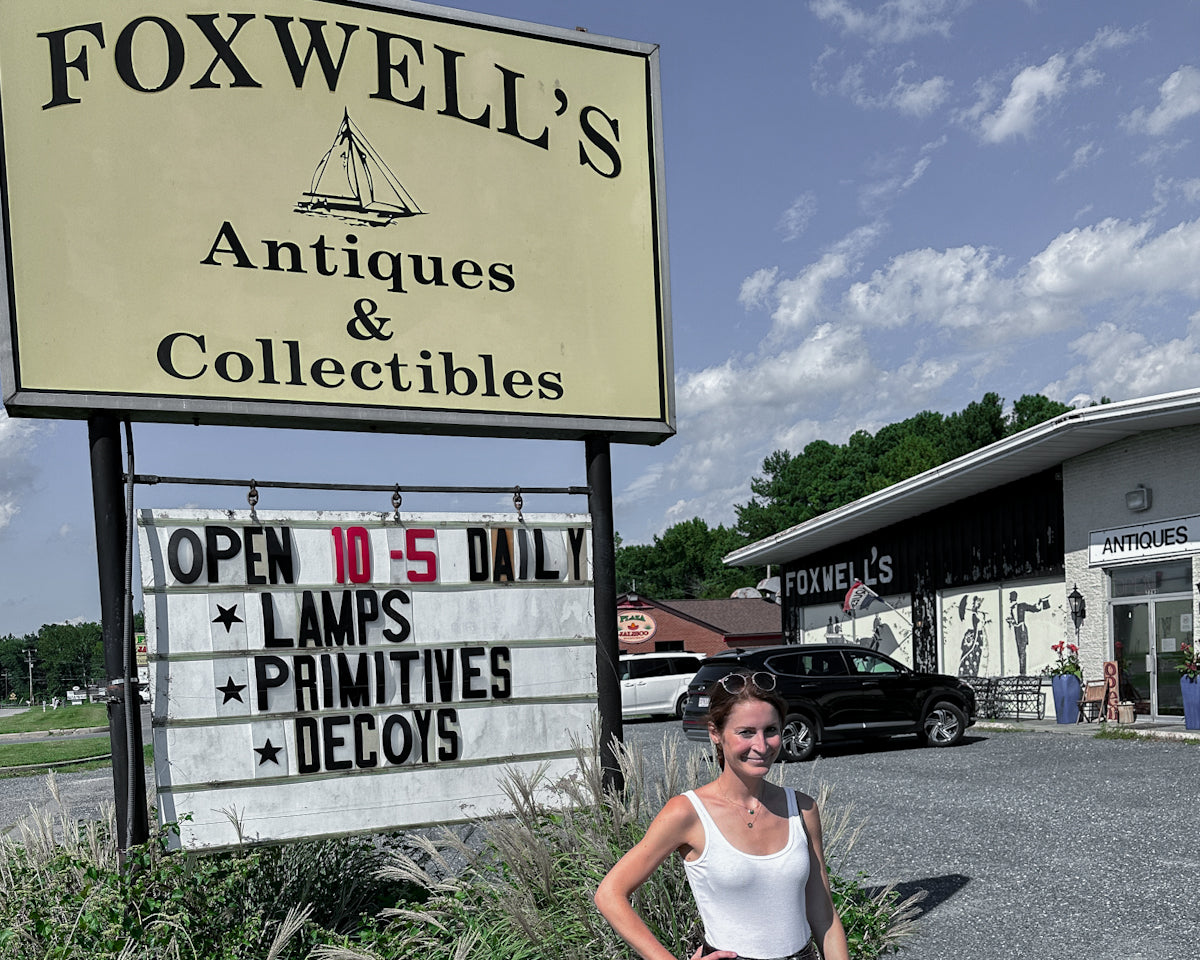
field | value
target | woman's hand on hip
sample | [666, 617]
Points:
[715, 955]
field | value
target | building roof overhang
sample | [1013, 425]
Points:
[1041, 447]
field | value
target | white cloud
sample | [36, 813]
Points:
[1121, 362]
[16, 467]
[1081, 158]
[801, 297]
[880, 194]
[853, 350]
[1115, 258]
[1178, 99]
[756, 288]
[796, 217]
[956, 287]
[919, 99]
[1030, 91]
[894, 21]
[642, 488]
[1106, 38]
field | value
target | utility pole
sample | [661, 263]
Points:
[29, 660]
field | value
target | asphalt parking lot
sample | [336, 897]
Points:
[1028, 844]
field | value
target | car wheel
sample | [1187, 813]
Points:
[944, 725]
[679, 705]
[799, 738]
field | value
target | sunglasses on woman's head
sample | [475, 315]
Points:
[735, 683]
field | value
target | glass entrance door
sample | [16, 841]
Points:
[1131, 649]
[1151, 618]
[1146, 644]
[1172, 626]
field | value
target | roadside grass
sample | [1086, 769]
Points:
[1107, 732]
[36, 720]
[20, 754]
[1115, 733]
[36, 759]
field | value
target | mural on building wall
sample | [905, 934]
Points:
[882, 626]
[827, 623]
[978, 647]
[1002, 629]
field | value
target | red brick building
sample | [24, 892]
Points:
[697, 626]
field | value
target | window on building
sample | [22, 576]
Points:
[1152, 579]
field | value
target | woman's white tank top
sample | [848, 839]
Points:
[753, 905]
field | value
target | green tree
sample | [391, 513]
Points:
[1032, 409]
[13, 665]
[684, 562]
[68, 654]
[795, 488]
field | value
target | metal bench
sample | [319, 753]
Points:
[1010, 698]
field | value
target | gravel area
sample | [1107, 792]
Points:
[1027, 844]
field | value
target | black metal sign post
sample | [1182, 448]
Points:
[604, 580]
[124, 706]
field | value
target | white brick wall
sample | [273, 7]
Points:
[1094, 487]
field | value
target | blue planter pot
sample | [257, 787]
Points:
[1191, 702]
[1067, 691]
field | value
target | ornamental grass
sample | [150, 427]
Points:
[517, 887]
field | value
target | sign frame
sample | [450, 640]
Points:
[24, 399]
[498, 693]
[1144, 542]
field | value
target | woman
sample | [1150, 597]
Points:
[751, 850]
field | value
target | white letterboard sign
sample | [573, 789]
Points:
[318, 674]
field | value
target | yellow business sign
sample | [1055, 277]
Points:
[318, 213]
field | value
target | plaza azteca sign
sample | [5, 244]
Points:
[323, 213]
[325, 673]
[635, 626]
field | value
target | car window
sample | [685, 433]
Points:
[786, 664]
[658, 667]
[709, 673]
[826, 663]
[684, 664]
[871, 663]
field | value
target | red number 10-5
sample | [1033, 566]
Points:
[352, 555]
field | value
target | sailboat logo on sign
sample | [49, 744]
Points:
[352, 182]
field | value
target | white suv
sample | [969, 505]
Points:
[656, 683]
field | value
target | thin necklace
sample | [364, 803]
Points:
[751, 811]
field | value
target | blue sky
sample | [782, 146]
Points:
[873, 209]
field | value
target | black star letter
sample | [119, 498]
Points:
[267, 752]
[227, 616]
[232, 691]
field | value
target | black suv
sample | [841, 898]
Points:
[841, 692]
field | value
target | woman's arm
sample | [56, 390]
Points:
[818, 897]
[672, 829]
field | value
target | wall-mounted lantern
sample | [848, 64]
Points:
[1078, 607]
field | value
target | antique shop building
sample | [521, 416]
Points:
[977, 561]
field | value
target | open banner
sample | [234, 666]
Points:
[317, 674]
